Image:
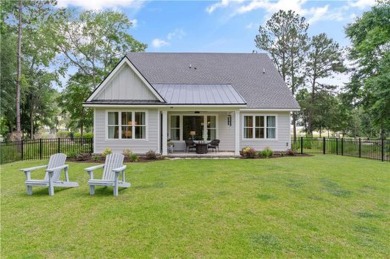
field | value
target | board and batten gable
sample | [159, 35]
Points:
[125, 85]
[282, 142]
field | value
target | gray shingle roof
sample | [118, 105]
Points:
[199, 94]
[244, 72]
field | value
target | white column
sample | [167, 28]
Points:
[164, 133]
[237, 133]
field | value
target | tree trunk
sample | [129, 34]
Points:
[19, 74]
[31, 117]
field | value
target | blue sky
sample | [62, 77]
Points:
[223, 25]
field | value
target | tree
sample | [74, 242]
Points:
[92, 42]
[370, 85]
[324, 58]
[32, 78]
[285, 38]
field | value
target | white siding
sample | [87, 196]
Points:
[125, 85]
[283, 140]
[138, 146]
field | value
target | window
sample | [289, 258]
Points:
[113, 125]
[175, 127]
[126, 125]
[198, 127]
[211, 127]
[259, 127]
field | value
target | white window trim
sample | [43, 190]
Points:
[181, 115]
[120, 126]
[265, 127]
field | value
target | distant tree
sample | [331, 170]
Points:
[285, 38]
[324, 58]
[92, 42]
[33, 56]
[370, 84]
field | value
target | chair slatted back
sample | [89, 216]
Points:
[112, 161]
[215, 142]
[56, 160]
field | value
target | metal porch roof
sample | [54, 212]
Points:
[188, 94]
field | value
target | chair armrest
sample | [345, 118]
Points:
[90, 170]
[119, 169]
[27, 171]
[56, 168]
[94, 167]
[33, 168]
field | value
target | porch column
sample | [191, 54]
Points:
[164, 133]
[237, 133]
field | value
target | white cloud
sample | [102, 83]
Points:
[361, 4]
[251, 25]
[176, 34]
[100, 4]
[158, 43]
[223, 3]
[318, 14]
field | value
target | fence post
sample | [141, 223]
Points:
[40, 148]
[301, 145]
[383, 149]
[22, 149]
[337, 146]
[59, 146]
[323, 145]
[91, 145]
[360, 147]
[342, 146]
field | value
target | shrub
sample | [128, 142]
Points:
[248, 152]
[127, 152]
[63, 134]
[83, 157]
[267, 152]
[71, 154]
[290, 152]
[96, 157]
[107, 151]
[85, 135]
[134, 157]
[151, 155]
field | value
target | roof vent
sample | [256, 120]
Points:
[190, 66]
[263, 70]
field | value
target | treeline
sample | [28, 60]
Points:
[52, 59]
[361, 107]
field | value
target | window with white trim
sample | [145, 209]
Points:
[126, 125]
[259, 127]
[175, 127]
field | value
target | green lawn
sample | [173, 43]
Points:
[319, 206]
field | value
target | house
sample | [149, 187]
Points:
[150, 98]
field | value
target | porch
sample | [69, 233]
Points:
[211, 155]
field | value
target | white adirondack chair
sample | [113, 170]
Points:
[53, 175]
[112, 168]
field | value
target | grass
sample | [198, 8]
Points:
[319, 206]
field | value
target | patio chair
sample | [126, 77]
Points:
[190, 144]
[214, 144]
[52, 177]
[112, 168]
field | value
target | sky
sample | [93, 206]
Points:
[222, 25]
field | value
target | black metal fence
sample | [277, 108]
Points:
[43, 148]
[378, 149]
